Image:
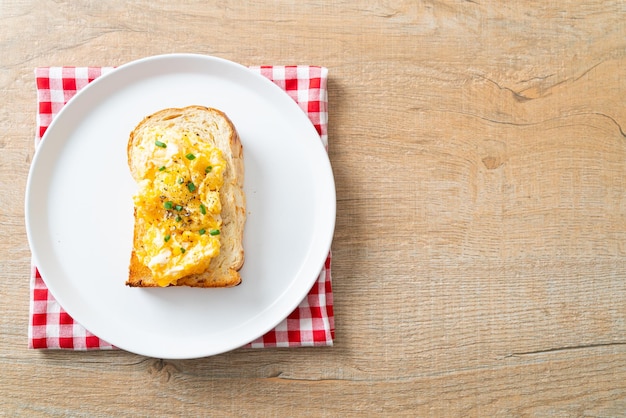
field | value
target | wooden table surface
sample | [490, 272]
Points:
[479, 258]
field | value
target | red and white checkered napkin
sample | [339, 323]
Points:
[311, 324]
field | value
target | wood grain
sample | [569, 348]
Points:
[479, 153]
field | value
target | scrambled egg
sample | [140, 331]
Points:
[178, 204]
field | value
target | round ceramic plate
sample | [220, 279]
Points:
[79, 211]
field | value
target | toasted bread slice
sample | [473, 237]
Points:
[209, 125]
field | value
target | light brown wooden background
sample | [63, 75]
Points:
[479, 151]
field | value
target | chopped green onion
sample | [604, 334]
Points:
[178, 218]
[178, 207]
[214, 232]
[160, 144]
[190, 156]
[202, 209]
[191, 186]
[202, 231]
[167, 237]
[162, 168]
[208, 169]
[181, 180]
[182, 250]
[168, 205]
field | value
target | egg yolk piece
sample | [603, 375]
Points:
[178, 205]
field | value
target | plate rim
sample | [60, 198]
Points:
[328, 185]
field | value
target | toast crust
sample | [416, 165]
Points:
[214, 126]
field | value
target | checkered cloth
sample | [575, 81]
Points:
[311, 324]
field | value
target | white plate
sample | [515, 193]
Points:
[79, 209]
